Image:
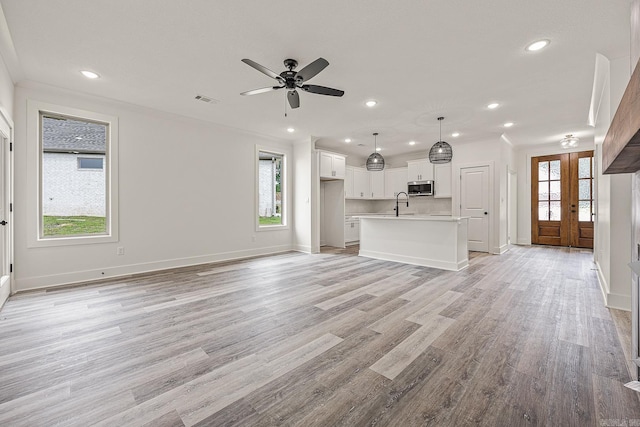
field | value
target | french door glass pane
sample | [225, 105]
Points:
[554, 169]
[543, 190]
[584, 167]
[543, 171]
[554, 211]
[584, 211]
[543, 211]
[584, 189]
[554, 190]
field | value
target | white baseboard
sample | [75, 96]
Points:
[620, 302]
[50, 281]
[617, 301]
[444, 265]
[524, 242]
[302, 248]
[502, 249]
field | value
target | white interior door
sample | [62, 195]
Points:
[512, 209]
[5, 235]
[474, 203]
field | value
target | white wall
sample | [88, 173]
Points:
[613, 243]
[302, 195]
[187, 195]
[6, 90]
[498, 155]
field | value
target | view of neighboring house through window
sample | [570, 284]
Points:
[73, 178]
[270, 191]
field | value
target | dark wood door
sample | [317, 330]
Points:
[562, 199]
[581, 209]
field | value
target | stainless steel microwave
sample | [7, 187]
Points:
[420, 188]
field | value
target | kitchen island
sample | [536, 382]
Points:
[430, 241]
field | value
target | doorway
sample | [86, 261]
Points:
[562, 204]
[5, 212]
[474, 203]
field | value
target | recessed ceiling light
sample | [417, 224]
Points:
[412, 143]
[291, 130]
[89, 74]
[371, 103]
[540, 44]
[455, 134]
[378, 149]
[508, 124]
[493, 106]
[347, 140]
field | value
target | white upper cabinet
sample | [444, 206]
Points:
[332, 166]
[395, 181]
[361, 181]
[420, 170]
[442, 181]
[377, 184]
[348, 183]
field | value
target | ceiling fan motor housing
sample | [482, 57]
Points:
[290, 63]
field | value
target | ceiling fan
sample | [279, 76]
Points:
[292, 80]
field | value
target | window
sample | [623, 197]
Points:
[74, 158]
[90, 163]
[271, 179]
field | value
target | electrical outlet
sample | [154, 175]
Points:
[120, 250]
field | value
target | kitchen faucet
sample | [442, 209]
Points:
[398, 195]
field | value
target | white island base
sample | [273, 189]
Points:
[430, 241]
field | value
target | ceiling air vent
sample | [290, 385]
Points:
[206, 99]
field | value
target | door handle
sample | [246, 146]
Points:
[486, 213]
[3, 222]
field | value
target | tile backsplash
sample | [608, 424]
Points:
[417, 205]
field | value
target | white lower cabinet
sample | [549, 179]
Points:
[351, 230]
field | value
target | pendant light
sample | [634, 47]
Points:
[441, 151]
[375, 162]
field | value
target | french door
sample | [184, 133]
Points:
[562, 199]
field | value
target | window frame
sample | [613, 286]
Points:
[85, 157]
[35, 109]
[283, 185]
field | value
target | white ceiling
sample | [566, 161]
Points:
[418, 58]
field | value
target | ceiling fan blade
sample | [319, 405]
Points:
[262, 69]
[312, 69]
[262, 90]
[294, 98]
[322, 90]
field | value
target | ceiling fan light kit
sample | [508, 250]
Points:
[441, 152]
[375, 162]
[569, 141]
[293, 80]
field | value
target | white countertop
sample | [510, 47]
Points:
[413, 217]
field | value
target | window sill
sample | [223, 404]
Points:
[272, 227]
[72, 241]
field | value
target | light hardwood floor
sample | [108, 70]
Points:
[321, 340]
